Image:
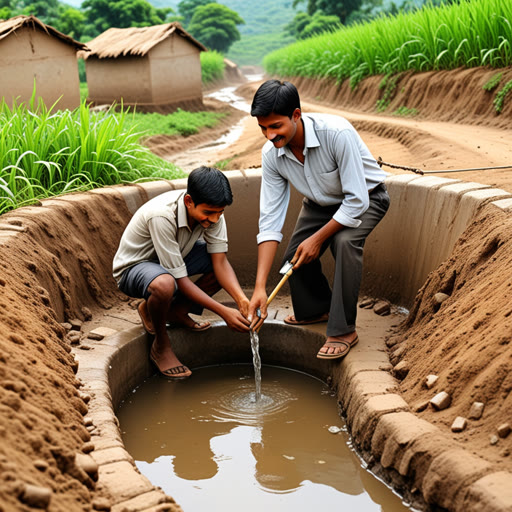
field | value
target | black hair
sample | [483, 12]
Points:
[210, 186]
[275, 97]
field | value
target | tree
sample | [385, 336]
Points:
[215, 26]
[340, 8]
[104, 14]
[186, 9]
[71, 22]
[304, 25]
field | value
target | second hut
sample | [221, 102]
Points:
[153, 68]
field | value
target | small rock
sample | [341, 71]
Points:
[101, 504]
[84, 396]
[476, 411]
[459, 424]
[66, 326]
[493, 439]
[101, 332]
[441, 401]
[504, 430]
[88, 447]
[76, 325]
[40, 464]
[401, 370]
[74, 337]
[367, 303]
[382, 308]
[88, 464]
[421, 406]
[440, 297]
[36, 496]
[87, 313]
[85, 347]
[392, 341]
[430, 381]
[88, 421]
[335, 430]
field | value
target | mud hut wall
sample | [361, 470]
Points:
[123, 78]
[175, 71]
[31, 55]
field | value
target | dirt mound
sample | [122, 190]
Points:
[41, 408]
[465, 339]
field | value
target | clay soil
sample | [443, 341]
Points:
[465, 340]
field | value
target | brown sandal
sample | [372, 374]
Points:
[345, 345]
[291, 320]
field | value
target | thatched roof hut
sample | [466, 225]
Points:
[33, 52]
[149, 67]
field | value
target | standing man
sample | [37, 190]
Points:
[326, 160]
[173, 236]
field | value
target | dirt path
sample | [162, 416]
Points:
[422, 144]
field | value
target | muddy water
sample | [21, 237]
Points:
[209, 444]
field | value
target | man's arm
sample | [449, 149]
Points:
[231, 316]
[266, 253]
[227, 279]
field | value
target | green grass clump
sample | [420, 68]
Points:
[44, 153]
[388, 83]
[405, 111]
[493, 82]
[467, 33]
[212, 66]
[180, 122]
[499, 101]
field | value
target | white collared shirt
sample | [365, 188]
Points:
[159, 231]
[338, 169]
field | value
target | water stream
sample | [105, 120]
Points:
[255, 346]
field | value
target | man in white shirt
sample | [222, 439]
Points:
[326, 160]
[171, 237]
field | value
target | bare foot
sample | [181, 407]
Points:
[182, 319]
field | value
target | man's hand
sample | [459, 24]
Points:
[243, 306]
[235, 320]
[258, 309]
[308, 251]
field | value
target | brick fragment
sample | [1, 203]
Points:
[430, 381]
[441, 401]
[459, 424]
[476, 411]
[504, 430]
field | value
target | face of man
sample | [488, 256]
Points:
[202, 213]
[278, 129]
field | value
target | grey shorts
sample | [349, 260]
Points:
[136, 280]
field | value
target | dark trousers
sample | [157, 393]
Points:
[311, 294]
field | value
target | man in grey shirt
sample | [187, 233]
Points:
[326, 160]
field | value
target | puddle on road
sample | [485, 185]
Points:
[207, 443]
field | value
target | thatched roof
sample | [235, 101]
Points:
[10, 26]
[136, 41]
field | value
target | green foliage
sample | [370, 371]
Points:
[468, 33]
[388, 83]
[186, 9]
[215, 26]
[212, 66]
[339, 8]
[493, 82]
[45, 153]
[405, 111]
[180, 122]
[499, 101]
[104, 14]
[304, 25]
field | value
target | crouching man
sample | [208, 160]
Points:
[174, 236]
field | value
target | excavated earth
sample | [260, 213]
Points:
[55, 269]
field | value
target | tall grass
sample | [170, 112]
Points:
[212, 66]
[470, 33]
[44, 152]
